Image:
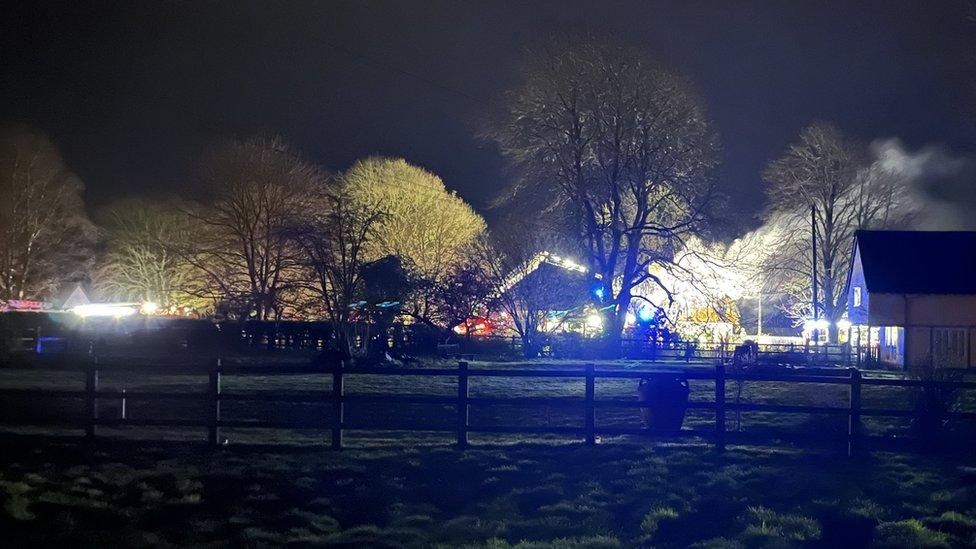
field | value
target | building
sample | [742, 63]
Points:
[911, 297]
[553, 286]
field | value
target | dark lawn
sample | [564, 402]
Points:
[625, 494]
[399, 489]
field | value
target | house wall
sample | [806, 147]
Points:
[917, 350]
[886, 310]
[919, 347]
[858, 315]
[942, 310]
[922, 310]
[919, 314]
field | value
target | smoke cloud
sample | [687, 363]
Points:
[941, 186]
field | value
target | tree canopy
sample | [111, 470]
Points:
[429, 227]
[832, 174]
[45, 235]
[257, 188]
[620, 143]
[142, 260]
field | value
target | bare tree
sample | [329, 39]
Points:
[142, 260]
[826, 171]
[257, 188]
[45, 236]
[621, 144]
[333, 235]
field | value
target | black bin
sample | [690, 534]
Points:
[667, 398]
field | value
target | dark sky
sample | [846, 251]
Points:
[135, 92]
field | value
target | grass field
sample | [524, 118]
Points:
[392, 489]
[620, 495]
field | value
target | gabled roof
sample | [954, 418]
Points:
[75, 298]
[918, 262]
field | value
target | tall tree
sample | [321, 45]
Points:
[832, 174]
[430, 228]
[619, 142]
[142, 260]
[333, 235]
[45, 235]
[257, 188]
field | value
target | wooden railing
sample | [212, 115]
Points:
[337, 397]
[575, 347]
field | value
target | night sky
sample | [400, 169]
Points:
[135, 93]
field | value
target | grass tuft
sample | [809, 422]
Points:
[909, 534]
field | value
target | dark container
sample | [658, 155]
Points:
[667, 397]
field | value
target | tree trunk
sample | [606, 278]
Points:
[614, 336]
[833, 333]
[529, 348]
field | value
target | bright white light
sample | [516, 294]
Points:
[149, 308]
[594, 321]
[820, 325]
[104, 309]
[630, 318]
[843, 324]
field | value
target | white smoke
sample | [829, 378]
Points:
[941, 186]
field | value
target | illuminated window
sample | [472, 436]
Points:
[857, 296]
[891, 336]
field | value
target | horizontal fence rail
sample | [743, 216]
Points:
[461, 425]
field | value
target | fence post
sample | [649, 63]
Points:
[720, 407]
[462, 405]
[91, 403]
[854, 415]
[589, 420]
[337, 406]
[213, 432]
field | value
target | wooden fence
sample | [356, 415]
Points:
[576, 347]
[462, 426]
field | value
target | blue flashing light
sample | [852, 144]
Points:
[598, 292]
[645, 314]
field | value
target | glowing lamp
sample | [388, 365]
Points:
[594, 321]
[645, 315]
[149, 308]
[104, 309]
[843, 324]
[820, 326]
